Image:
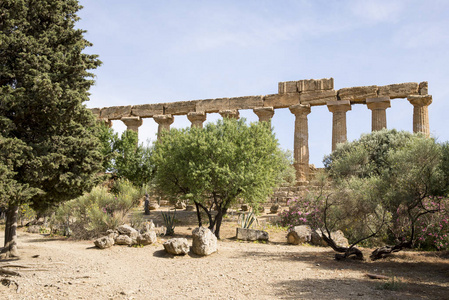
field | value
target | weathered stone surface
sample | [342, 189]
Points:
[132, 123]
[212, 105]
[421, 113]
[424, 88]
[147, 238]
[123, 239]
[180, 108]
[115, 112]
[153, 206]
[248, 102]
[358, 94]
[204, 241]
[96, 111]
[180, 205]
[246, 234]
[398, 90]
[288, 87]
[315, 84]
[299, 235]
[281, 101]
[104, 242]
[337, 236]
[320, 97]
[275, 208]
[34, 229]
[378, 107]
[264, 113]
[197, 118]
[230, 113]
[177, 246]
[339, 131]
[128, 230]
[147, 110]
[301, 141]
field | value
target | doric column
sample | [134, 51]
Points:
[378, 108]
[164, 122]
[264, 113]
[197, 118]
[421, 113]
[230, 113]
[132, 123]
[338, 110]
[301, 141]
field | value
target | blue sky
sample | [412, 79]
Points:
[166, 51]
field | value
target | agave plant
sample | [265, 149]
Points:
[169, 222]
[246, 220]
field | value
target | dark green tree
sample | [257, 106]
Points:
[44, 80]
[218, 165]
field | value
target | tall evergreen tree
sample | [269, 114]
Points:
[49, 152]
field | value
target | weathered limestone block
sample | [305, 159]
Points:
[301, 141]
[115, 112]
[212, 105]
[378, 107]
[288, 87]
[179, 108]
[164, 122]
[320, 97]
[246, 234]
[398, 90]
[129, 231]
[204, 241]
[95, 111]
[197, 118]
[123, 239]
[177, 246]
[299, 235]
[358, 94]
[421, 113]
[315, 84]
[180, 204]
[339, 132]
[147, 110]
[247, 102]
[424, 88]
[104, 242]
[132, 123]
[338, 237]
[230, 113]
[264, 113]
[281, 101]
[147, 238]
[153, 206]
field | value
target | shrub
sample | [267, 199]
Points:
[301, 211]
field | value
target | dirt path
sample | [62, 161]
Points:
[66, 269]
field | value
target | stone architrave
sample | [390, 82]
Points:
[264, 113]
[338, 110]
[301, 141]
[421, 113]
[164, 122]
[132, 123]
[197, 118]
[378, 107]
[230, 113]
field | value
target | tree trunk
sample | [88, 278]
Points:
[385, 251]
[10, 248]
[347, 252]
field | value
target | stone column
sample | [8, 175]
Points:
[264, 113]
[421, 113]
[301, 142]
[378, 108]
[132, 123]
[197, 118]
[164, 122]
[338, 110]
[230, 113]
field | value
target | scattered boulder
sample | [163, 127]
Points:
[274, 209]
[247, 234]
[204, 241]
[153, 206]
[190, 208]
[337, 236]
[147, 238]
[180, 205]
[299, 235]
[177, 246]
[112, 233]
[34, 229]
[123, 239]
[104, 242]
[129, 231]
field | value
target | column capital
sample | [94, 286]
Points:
[378, 103]
[300, 109]
[197, 118]
[420, 100]
[230, 113]
[339, 106]
[132, 123]
[264, 113]
[164, 119]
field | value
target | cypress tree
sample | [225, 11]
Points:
[49, 152]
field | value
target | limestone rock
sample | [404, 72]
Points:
[153, 206]
[147, 238]
[129, 231]
[274, 209]
[299, 235]
[204, 241]
[399, 90]
[123, 239]
[115, 112]
[337, 236]
[34, 229]
[177, 246]
[180, 205]
[247, 234]
[358, 94]
[104, 242]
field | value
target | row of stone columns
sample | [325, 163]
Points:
[338, 109]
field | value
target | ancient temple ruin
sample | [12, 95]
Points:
[299, 97]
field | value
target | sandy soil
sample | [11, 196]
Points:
[60, 268]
